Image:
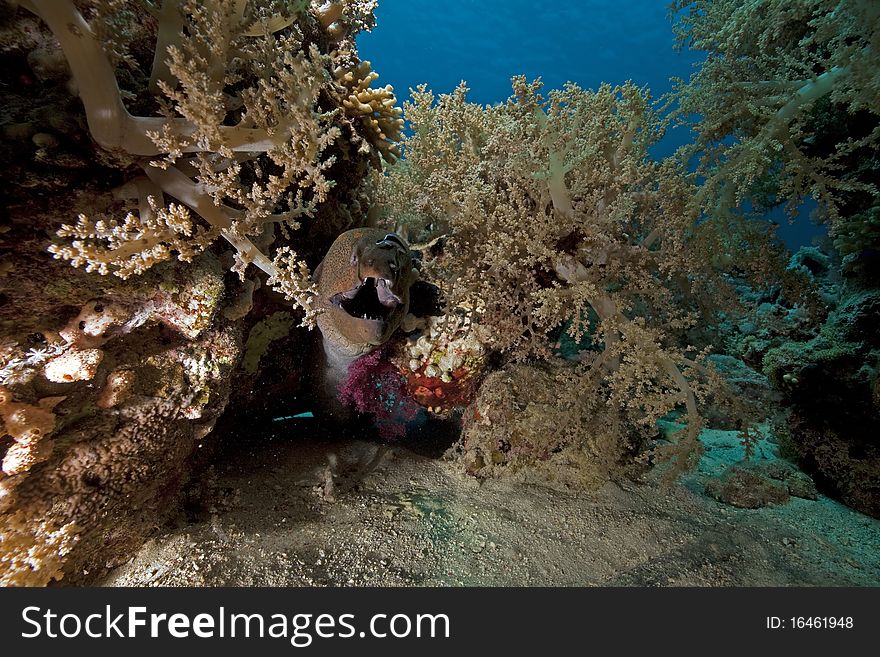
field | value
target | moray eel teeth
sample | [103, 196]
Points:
[372, 300]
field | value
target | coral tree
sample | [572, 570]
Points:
[778, 76]
[197, 120]
[786, 107]
[240, 138]
[555, 219]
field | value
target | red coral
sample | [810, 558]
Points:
[433, 392]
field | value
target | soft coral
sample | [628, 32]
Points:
[375, 386]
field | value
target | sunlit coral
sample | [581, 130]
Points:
[344, 18]
[376, 109]
[74, 365]
[238, 144]
[554, 216]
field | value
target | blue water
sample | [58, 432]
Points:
[486, 42]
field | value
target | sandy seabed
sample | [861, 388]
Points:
[353, 513]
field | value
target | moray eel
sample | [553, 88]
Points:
[363, 289]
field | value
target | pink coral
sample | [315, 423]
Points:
[375, 386]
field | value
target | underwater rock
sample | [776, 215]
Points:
[798, 483]
[829, 383]
[746, 488]
[802, 486]
[262, 334]
[746, 388]
[858, 318]
[845, 464]
[525, 424]
[811, 260]
[118, 419]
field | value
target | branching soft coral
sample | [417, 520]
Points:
[241, 137]
[554, 214]
[756, 99]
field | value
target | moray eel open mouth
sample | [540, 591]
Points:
[363, 284]
[371, 300]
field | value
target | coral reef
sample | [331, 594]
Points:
[788, 100]
[161, 147]
[550, 214]
[163, 126]
[768, 103]
[28, 426]
[858, 241]
[829, 384]
[33, 549]
[100, 446]
[822, 371]
[238, 136]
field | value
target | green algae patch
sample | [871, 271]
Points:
[264, 333]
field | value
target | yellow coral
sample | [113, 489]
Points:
[555, 218]
[135, 244]
[32, 550]
[343, 18]
[375, 108]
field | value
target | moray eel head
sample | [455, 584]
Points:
[364, 284]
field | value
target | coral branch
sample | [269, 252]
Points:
[110, 123]
[773, 123]
[170, 19]
[246, 96]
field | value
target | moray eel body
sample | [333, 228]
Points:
[363, 289]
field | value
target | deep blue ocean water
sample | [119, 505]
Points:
[486, 42]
